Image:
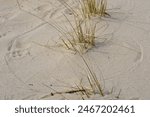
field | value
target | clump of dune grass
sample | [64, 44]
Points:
[93, 8]
[81, 37]
[89, 8]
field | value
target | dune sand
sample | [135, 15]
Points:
[34, 64]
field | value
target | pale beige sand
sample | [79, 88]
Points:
[33, 64]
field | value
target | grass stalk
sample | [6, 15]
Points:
[93, 80]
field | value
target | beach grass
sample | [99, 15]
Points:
[82, 35]
[90, 8]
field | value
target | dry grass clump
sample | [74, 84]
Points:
[81, 37]
[93, 7]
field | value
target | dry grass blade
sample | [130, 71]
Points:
[85, 91]
[93, 81]
[94, 86]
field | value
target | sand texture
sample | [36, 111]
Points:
[35, 64]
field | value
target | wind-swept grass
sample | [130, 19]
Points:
[82, 35]
[93, 7]
[89, 8]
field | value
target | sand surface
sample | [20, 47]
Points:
[35, 65]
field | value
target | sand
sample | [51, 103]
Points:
[34, 64]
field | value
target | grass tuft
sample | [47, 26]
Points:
[93, 8]
[82, 35]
